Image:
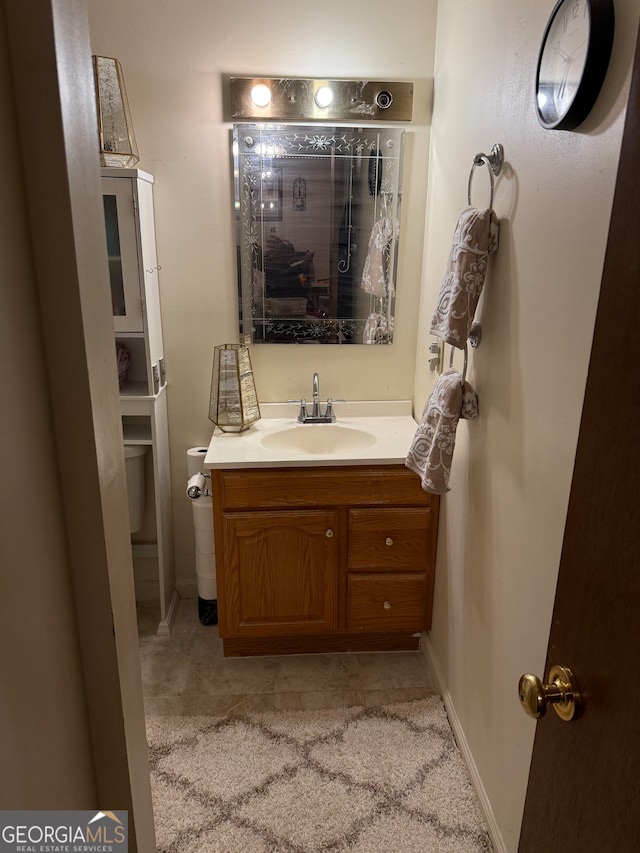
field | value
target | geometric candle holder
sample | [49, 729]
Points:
[117, 140]
[233, 406]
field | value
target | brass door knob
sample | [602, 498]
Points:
[388, 541]
[561, 692]
[387, 605]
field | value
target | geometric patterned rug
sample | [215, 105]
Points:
[387, 779]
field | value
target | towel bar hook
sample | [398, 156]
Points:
[494, 163]
[475, 335]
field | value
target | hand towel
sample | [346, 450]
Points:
[375, 270]
[378, 329]
[474, 239]
[431, 452]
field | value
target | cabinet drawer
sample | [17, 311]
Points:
[362, 485]
[390, 538]
[378, 602]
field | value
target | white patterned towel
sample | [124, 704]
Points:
[475, 238]
[431, 452]
[375, 279]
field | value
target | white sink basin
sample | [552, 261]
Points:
[366, 433]
[318, 439]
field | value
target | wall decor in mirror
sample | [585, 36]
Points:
[318, 221]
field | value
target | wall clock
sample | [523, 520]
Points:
[572, 61]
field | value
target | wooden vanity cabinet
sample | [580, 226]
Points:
[323, 559]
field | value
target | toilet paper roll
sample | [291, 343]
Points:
[203, 514]
[195, 460]
[204, 541]
[195, 486]
[207, 587]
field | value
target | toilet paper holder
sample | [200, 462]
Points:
[196, 487]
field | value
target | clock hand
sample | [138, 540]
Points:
[563, 83]
[575, 50]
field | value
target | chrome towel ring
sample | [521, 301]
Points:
[494, 163]
[466, 361]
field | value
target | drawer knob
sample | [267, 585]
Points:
[387, 605]
[388, 541]
[329, 533]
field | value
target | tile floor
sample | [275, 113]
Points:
[186, 673]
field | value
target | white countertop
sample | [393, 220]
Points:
[388, 428]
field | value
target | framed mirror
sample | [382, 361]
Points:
[318, 222]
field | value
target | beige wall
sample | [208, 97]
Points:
[173, 56]
[502, 523]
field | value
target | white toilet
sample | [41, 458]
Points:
[134, 462]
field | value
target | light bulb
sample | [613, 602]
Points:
[261, 95]
[323, 97]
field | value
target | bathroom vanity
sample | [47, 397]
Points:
[322, 551]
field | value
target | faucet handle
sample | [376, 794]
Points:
[303, 409]
[329, 413]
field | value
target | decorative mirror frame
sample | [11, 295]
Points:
[371, 164]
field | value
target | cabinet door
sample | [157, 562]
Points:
[122, 250]
[279, 575]
[149, 271]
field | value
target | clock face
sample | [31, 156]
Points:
[573, 61]
[563, 59]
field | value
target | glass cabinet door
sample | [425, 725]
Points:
[122, 249]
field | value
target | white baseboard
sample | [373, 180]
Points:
[144, 550]
[467, 755]
[165, 625]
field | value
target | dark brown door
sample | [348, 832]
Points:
[584, 785]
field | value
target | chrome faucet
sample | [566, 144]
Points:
[315, 411]
[316, 416]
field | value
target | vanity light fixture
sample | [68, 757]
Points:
[323, 97]
[297, 99]
[261, 95]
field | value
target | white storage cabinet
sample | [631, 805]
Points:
[133, 271]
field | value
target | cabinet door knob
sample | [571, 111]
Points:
[329, 533]
[389, 541]
[387, 605]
